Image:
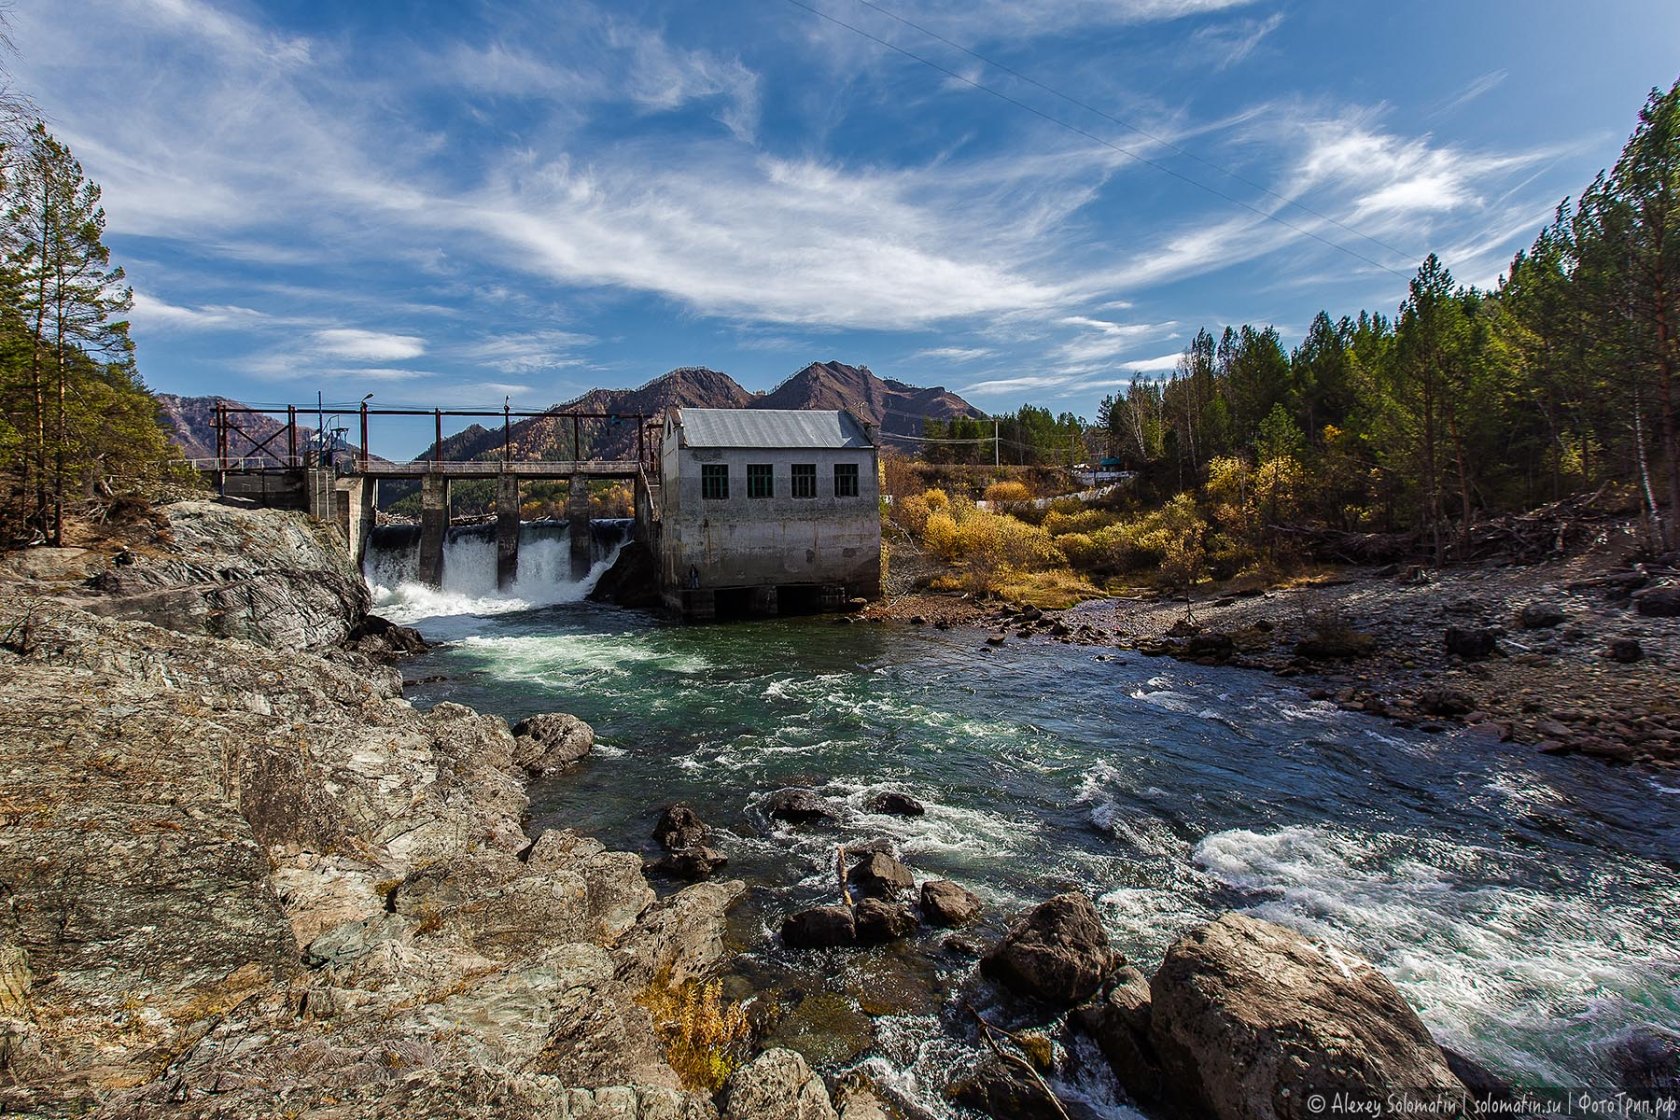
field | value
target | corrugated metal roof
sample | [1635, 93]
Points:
[769, 427]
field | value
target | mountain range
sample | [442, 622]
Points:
[895, 408]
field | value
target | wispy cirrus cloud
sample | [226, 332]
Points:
[528, 352]
[1227, 44]
[1486, 83]
[955, 353]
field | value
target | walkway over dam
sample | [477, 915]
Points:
[262, 454]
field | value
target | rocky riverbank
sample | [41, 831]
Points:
[240, 879]
[1577, 656]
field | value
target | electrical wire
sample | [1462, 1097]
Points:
[1094, 138]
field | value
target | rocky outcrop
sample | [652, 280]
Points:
[1057, 953]
[545, 745]
[777, 1085]
[281, 579]
[236, 875]
[1246, 1020]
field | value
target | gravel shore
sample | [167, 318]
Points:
[1572, 656]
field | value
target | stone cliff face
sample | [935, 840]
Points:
[233, 876]
[278, 578]
[242, 879]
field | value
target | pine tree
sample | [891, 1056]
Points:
[68, 299]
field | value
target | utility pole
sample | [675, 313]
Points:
[997, 446]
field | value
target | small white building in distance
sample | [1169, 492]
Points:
[765, 512]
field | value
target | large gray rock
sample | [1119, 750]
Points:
[546, 744]
[278, 578]
[679, 938]
[776, 1085]
[1058, 952]
[1250, 1020]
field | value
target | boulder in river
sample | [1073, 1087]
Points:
[549, 743]
[1250, 1020]
[822, 927]
[1118, 1021]
[696, 862]
[897, 804]
[945, 903]
[380, 637]
[1006, 1090]
[1647, 1060]
[878, 921]
[879, 875]
[680, 827]
[797, 805]
[1058, 952]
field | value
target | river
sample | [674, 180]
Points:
[1527, 906]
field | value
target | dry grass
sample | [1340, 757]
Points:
[706, 1037]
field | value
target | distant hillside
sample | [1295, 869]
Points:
[894, 407]
[191, 424]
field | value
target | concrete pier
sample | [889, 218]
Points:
[577, 525]
[357, 500]
[434, 527]
[507, 530]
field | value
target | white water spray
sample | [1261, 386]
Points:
[469, 588]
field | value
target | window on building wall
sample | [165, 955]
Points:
[714, 480]
[760, 481]
[845, 480]
[804, 480]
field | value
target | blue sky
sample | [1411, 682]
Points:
[450, 203]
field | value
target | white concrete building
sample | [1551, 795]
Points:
[763, 511]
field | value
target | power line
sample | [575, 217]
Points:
[1094, 138]
[1145, 133]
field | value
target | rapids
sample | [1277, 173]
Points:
[1527, 906]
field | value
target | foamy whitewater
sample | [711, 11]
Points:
[469, 588]
[1526, 905]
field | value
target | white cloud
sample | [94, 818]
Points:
[368, 346]
[955, 353]
[156, 314]
[1227, 44]
[528, 352]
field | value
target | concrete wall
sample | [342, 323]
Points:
[781, 540]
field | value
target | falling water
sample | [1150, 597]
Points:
[469, 586]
